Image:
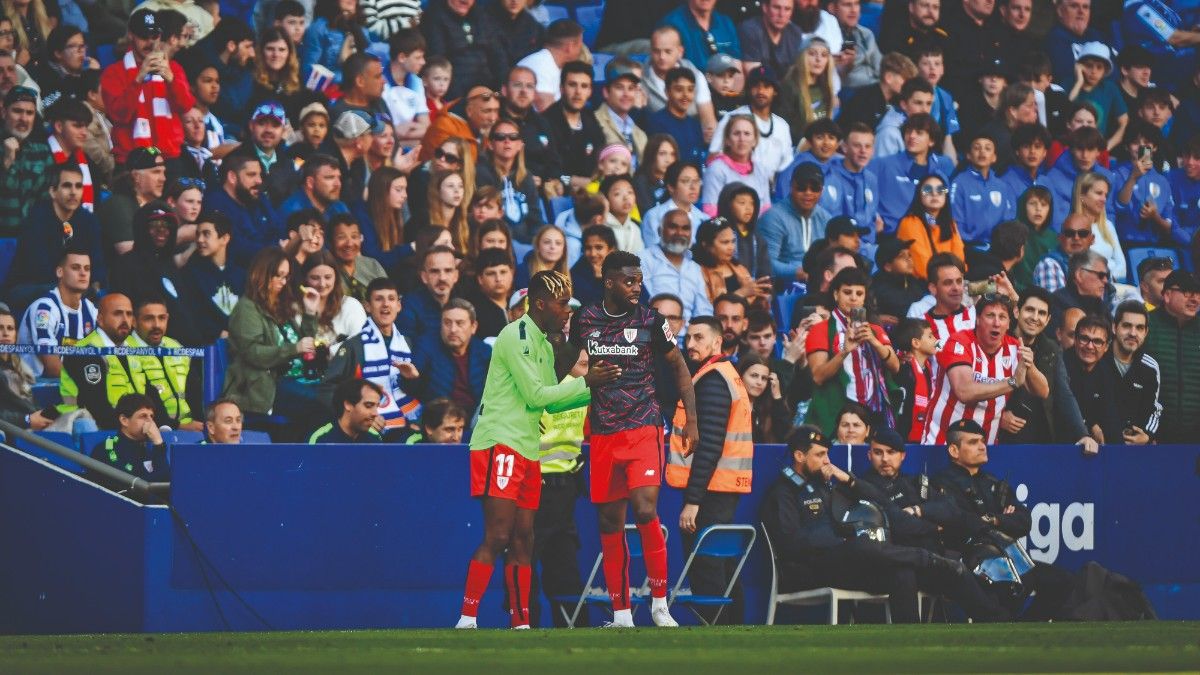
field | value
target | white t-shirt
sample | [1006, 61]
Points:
[545, 70]
[653, 81]
[774, 150]
[404, 104]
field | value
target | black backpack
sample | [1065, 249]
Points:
[1101, 595]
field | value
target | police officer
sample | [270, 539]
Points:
[803, 512]
[716, 474]
[165, 376]
[984, 503]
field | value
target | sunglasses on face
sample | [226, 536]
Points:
[934, 189]
[1103, 276]
[446, 156]
[710, 42]
[511, 138]
[1076, 234]
[809, 187]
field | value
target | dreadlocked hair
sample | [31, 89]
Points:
[550, 283]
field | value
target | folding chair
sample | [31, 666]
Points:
[815, 596]
[598, 595]
[721, 542]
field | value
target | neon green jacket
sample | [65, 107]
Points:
[521, 384]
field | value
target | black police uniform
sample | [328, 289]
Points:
[802, 517]
[980, 501]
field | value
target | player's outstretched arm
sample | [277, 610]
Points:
[683, 380]
[534, 387]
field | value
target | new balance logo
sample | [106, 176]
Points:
[649, 472]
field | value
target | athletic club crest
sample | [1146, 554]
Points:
[630, 334]
[996, 197]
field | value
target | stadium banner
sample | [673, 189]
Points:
[56, 350]
[374, 536]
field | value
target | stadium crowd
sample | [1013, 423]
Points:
[343, 192]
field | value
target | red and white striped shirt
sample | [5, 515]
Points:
[61, 157]
[945, 326]
[962, 349]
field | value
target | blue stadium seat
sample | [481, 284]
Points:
[252, 436]
[596, 595]
[599, 62]
[105, 54]
[590, 16]
[8, 250]
[556, 12]
[62, 438]
[1137, 255]
[46, 393]
[182, 436]
[725, 543]
[871, 13]
[216, 359]
[560, 204]
[93, 438]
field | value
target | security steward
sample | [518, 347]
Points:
[164, 375]
[983, 502]
[96, 383]
[718, 472]
[803, 512]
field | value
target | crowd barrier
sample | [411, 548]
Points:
[319, 537]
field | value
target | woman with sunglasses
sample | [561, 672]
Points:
[929, 224]
[1090, 199]
[503, 167]
[453, 154]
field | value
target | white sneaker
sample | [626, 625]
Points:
[522, 627]
[621, 619]
[662, 618]
[466, 622]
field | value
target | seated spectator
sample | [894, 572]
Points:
[868, 104]
[453, 362]
[422, 309]
[823, 139]
[794, 224]
[735, 163]
[771, 40]
[266, 345]
[436, 77]
[166, 375]
[97, 147]
[852, 186]
[588, 209]
[916, 97]
[353, 133]
[918, 346]
[931, 66]
[239, 196]
[1156, 107]
[442, 422]
[715, 252]
[491, 233]
[186, 199]
[853, 425]
[494, 272]
[331, 38]
[196, 160]
[894, 285]
[1087, 287]
[770, 414]
[381, 218]
[587, 280]
[69, 119]
[1092, 199]
[314, 134]
[1185, 188]
[929, 224]
[1093, 63]
[1018, 106]
[843, 232]
[149, 268]
[522, 32]
[447, 199]
[649, 180]
[668, 267]
[562, 44]
[16, 381]
[51, 228]
[666, 54]
[264, 143]
[774, 149]
[503, 168]
[305, 237]
[1145, 206]
[703, 32]
[858, 61]
[339, 315]
[144, 183]
[137, 449]
[1029, 143]
[1078, 114]
[842, 367]
[230, 47]
[62, 317]
[206, 87]
[683, 182]
[471, 39]
[549, 253]
[809, 90]
[738, 204]
[1084, 154]
[621, 194]
[1152, 272]
[356, 405]
[65, 58]
[379, 353]
[574, 131]
[223, 423]
[980, 106]
[726, 82]
[979, 199]
[1075, 236]
[1005, 252]
[674, 119]
[355, 270]
[1034, 69]
[276, 76]
[484, 206]
[900, 173]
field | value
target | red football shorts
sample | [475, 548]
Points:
[503, 472]
[625, 460]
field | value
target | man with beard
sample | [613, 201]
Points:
[230, 48]
[669, 267]
[771, 40]
[905, 31]
[774, 149]
[422, 309]
[264, 144]
[23, 161]
[541, 157]
[574, 129]
[238, 197]
[730, 309]
[320, 189]
[815, 21]
[704, 32]
[69, 120]
[148, 270]
[356, 406]
[165, 375]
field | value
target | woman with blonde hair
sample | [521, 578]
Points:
[1090, 198]
[277, 75]
[549, 253]
[447, 198]
[808, 92]
[735, 164]
[453, 154]
[503, 167]
[31, 26]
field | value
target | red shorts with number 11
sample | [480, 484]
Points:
[503, 472]
[625, 460]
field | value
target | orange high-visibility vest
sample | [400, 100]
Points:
[733, 470]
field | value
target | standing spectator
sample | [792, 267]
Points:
[1095, 387]
[211, 281]
[60, 318]
[794, 224]
[24, 159]
[469, 37]
[522, 32]
[573, 128]
[809, 88]
[859, 61]
[675, 120]
[1174, 342]
[356, 406]
[735, 164]
[979, 199]
[563, 43]
[334, 35]
[453, 360]
[1071, 28]
[1144, 202]
[145, 93]
[703, 31]
[929, 224]
[239, 197]
[682, 179]
[668, 266]
[771, 40]
[405, 93]
[947, 309]
[666, 54]
[900, 174]
[978, 371]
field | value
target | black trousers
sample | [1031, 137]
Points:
[556, 549]
[710, 576]
[1053, 586]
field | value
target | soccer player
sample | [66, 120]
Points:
[505, 447]
[626, 426]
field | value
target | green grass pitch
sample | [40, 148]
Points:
[1078, 647]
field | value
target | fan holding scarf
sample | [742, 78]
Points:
[847, 356]
[145, 93]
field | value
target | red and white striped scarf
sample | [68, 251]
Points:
[153, 113]
[862, 371]
[60, 157]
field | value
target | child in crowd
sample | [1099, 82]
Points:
[979, 199]
[981, 106]
[405, 93]
[615, 160]
[1135, 64]
[435, 77]
[1185, 189]
[726, 82]
[918, 345]
[894, 285]
[1084, 146]
[1036, 71]
[1093, 63]
[1029, 145]
[1157, 107]
[822, 138]
[1144, 206]
[674, 118]
[916, 97]
[931, 66]
[1078, 114]
[314, 133]
[622, 204]
[1033, 209]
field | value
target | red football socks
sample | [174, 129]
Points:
[517, 579]
[478, 576]
[616, 568]
[655, 550]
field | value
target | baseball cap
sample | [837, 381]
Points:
[1180, 280]
[144, 24]
[994, 66]
[808, 172]
[967, 426]
[1094, 49]
[313, 108]
[20, 94]
[615, 71]
[805, 436]
[761, 75]
[889, 249]
[843, 225]
[144, 158]
[353, 124]
[268, 110]
[888, 438]
[720, 63]
[517, 297]
[155, 210]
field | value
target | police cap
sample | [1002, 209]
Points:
[805, 436]
[965, 426]
[889, 438]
